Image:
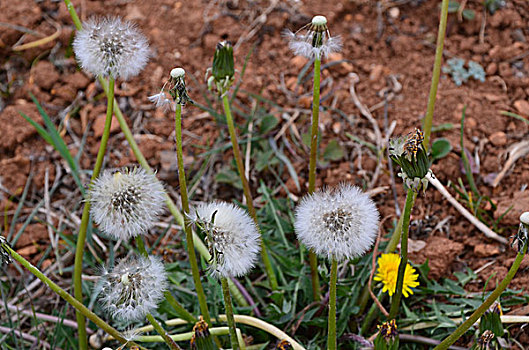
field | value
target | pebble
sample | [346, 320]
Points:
[522, 106]
[498, 139]
[99, 125]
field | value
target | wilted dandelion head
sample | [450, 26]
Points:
[133, 288]
[5, 256]
[388, 266]
[231, 236]
[284, 345]
[126, 203]
[313, 40]
[521, 238]
[174, 89]
[201, 338]
[111, 47]
[339, 224]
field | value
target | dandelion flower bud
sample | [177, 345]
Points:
[133, 288]
[232, 238]
[410, 154]
[313, 40]
[388, 336]
[111, 47]
[340, 224]
[126, 204]
[223, 63]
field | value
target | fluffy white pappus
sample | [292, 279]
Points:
[232, 237]
[301, 44]
[126, 203]
[133, 288]
[111, 47]
[338, 224]
[161, 100]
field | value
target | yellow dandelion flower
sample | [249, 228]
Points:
[388, 266]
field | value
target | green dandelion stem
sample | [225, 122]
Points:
[70, 299]
[187, 225]
[85, 218]
[229, 313]
[331, 335]
[166, 338]
[452, 338]
[428, 119]
[246, 189]
[395, 303]
[178, 308]
[313, 259]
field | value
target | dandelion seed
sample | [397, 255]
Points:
[126, 204]
[133, 288]
[388, 266]
[160, 100]
[232, 238]
[340, 224]
[313, 40]
[111, 47]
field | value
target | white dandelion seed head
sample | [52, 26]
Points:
[340, 223]
[232, 238]
[178, 73]
[161, 100]
[126, 203]
[111, 47]
[133, 288]
[524, 218]
[313, 40]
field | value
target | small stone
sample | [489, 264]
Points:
[491, 69]
[342, 68]
[522, 107]
[394, 12]
[337, 127]
[28, 251]
[45, 74]
[471, 123]
[99, 125]
[298, 62]
[376, 73]
[498, 139]
[486, 250]
[305, 101]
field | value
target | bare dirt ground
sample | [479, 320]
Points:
[379, 43]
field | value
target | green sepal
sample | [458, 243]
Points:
[491, 321]
[380, 343]
[223, 64]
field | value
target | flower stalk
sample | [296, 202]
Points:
[229, 313]
[428, 119]
[167, 339]
[81, 237]
[395, 303]
[313, 259]
[331, 332]
[246, 189]
[452, 338]
[187, 226]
